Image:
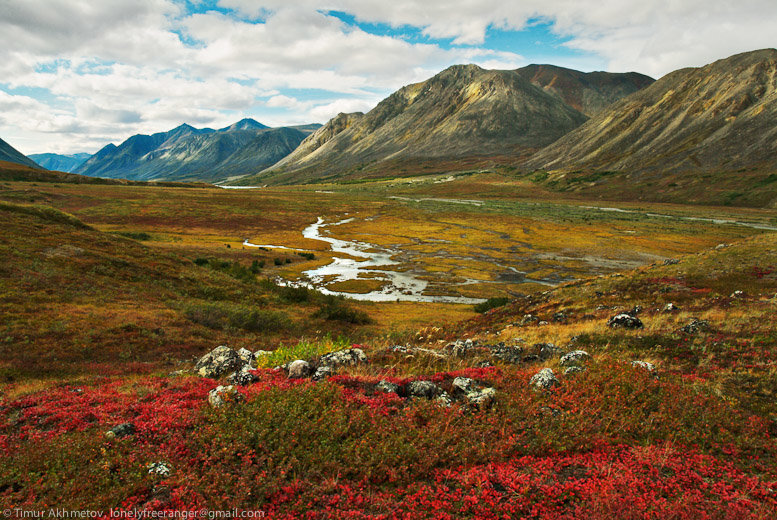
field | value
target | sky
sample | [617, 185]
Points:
[76, 75]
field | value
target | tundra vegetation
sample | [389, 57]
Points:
[540, 405]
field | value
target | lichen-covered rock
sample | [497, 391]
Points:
[573, 370]
[322, 373]
[347, 357]
[444, 399]
[261, 353]
[122, 430]
[576, 357]
[529, 318]
[299, 369]
[387, 387]
[625, 321]
[544, 379]
[219, 361]
[671, 307]
[737, 294]
[159, 469]
[695, 326]
[507, 353]
[460, 348]
[242, 377]
[650, 367]
[423, 389]
[464, 387]
[245, 355]
[222, 395]
[547, 350]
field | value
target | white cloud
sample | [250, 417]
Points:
[130, 66]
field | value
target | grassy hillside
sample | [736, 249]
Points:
[77, 300]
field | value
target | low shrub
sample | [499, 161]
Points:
[223, 315]
[491, 303]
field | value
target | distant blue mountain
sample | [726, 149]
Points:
[60, 163]
[188, 153]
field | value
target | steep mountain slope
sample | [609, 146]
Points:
[720, 117]
[588, 92]
[462, 111]
[60, 163]
[10, 154]
[188, 153]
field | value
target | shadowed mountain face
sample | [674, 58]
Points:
[587, 92]
[60, 163]
[10, 154]
[463, 111]
[716, 118]
[188, 153]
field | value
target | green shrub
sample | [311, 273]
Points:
[278, 261]
[491, 303]
[335, 309]
[222, 316]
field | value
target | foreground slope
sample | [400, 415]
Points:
[688, 432]
[10, 154]
[715, 118]
[464, 111]
[188, 153]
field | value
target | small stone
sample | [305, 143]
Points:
[221, 395]
[542, 323]
[671, 261]
[122, 430]
[485, 364]
[529, 318]
[444, 400]
[695, 326]
[387, 387]
[347, 357]
[544, 379]
[159, 469]
[423, 389]
[242, 377]
[573, 370]
[737, 294]
[322, 373]
[576, 357]
[671, 307]
[650, 367]
[299, 369]
[547, 350]
[509, 354]
[626, 321]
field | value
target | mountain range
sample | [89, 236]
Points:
[59, 162]
[720, 117]
[712, 120]
[464, 111]
[186, 153]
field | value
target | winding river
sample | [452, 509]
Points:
[361, 260]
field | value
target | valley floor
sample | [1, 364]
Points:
[119, 287]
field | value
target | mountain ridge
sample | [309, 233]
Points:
[463, 111]
[719, 117]
[189, 153]
[10, 154]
